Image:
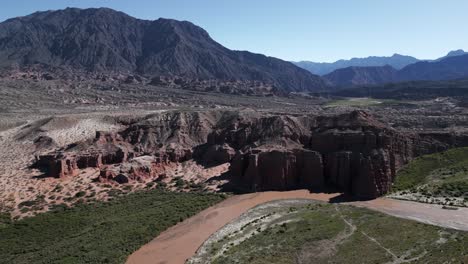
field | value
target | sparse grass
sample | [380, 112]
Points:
[442, 174]
[361, 102]
[404, 238]
[100, 232]
[280, 243]
[319, 234]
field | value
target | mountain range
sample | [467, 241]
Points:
[354, 76]
[453, 53]
[397, 61]
[104, 40]
[447, 68]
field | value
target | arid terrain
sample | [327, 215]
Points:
[67, 146]
[221, 224]
[147, 141]
[32, 126]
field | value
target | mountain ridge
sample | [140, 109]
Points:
[397, 61]
[105, 40]
[352, 76]
[448, 68]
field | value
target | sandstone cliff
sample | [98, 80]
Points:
[352, 152]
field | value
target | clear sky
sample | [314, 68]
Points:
[317, 30]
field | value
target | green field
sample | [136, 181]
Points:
[327, 233]
[97, 233]
[361, 102]
[443, 175]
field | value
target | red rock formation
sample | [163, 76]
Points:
[57, 165]
[218, 154]
[93, 160]
[103, 150]
[138, 169]
[352, 152]
[278, 169]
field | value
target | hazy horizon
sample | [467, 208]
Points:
[302, 30]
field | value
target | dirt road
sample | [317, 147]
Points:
[426, 213]
[180, 242]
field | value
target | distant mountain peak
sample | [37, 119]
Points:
[397, 55]
[354, 75]
[448, 68]
[456, 53]
[453, 53]
[397, 61]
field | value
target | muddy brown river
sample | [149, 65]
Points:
[180, 242]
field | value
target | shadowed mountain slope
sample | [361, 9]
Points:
[104, 40]
[397, 61]
[352, 76]
[449, 68]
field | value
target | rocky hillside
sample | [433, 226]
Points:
[352, 152]
[104, 40]
[453, 67]
[353, 76]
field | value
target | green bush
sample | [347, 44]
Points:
[99, 232]
[444, 167]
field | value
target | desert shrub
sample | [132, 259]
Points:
[105, 232]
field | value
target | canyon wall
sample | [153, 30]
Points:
[352, 152]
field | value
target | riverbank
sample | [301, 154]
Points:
[180, 242]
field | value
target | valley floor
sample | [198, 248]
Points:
[127, 223]
[305, 231]
[181, 242]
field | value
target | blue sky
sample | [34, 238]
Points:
[324, 30]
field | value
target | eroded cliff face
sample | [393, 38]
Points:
[352, 152]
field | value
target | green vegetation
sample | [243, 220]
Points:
[280, 241]
[36, 204]
[361, 102]
[442, 174]
[326, 233]
[413, 90]
[4, 220]
[97, 233]
[179, 182]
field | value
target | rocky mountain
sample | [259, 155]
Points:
[397, 61]
[452, 67]
[449, 68]
[353, 76]
[104, 40]
[453, 53]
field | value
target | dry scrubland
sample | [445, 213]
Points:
[69, 113]
[97, 232]
[440, 178]
[301, 231]
[97, 158]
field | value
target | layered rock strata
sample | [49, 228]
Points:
[352, 152]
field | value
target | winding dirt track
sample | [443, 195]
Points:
[180, 242]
